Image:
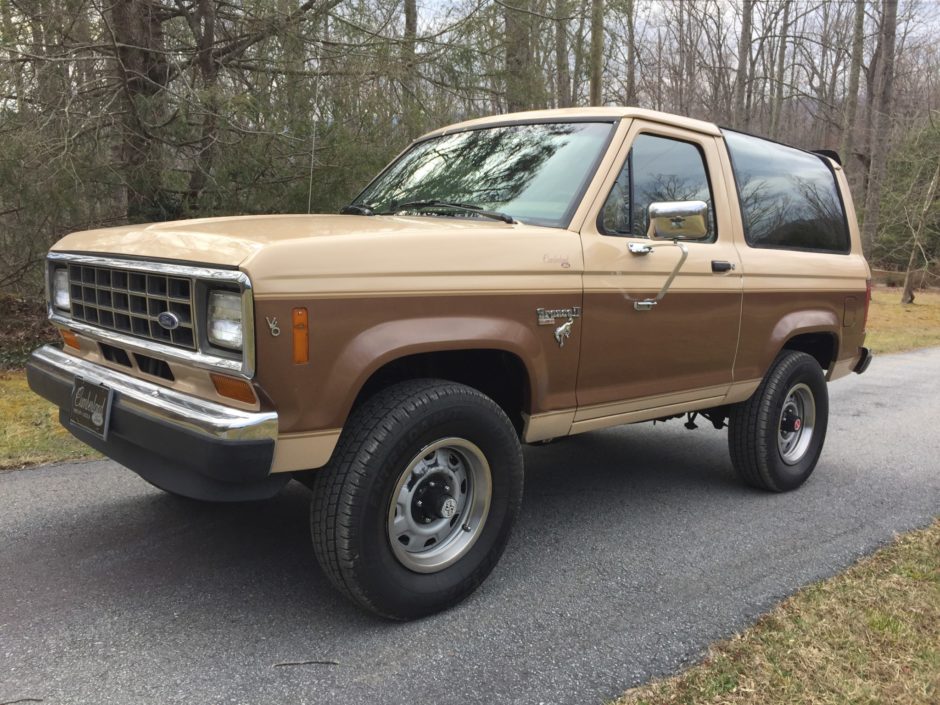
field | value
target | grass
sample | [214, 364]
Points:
[31, 432]
[895, 328]
[869, 635]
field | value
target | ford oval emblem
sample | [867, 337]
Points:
[168, 320]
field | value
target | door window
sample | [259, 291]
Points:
[657, 169]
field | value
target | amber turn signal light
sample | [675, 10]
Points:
[301, 336]
[70, 339]
[237, 389]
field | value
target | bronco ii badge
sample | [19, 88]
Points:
[547, 316]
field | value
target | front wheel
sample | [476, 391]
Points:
[776, 436]
[416, 507]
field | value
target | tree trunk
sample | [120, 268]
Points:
[597, 52]
[8, 36]
[209, 72]
[881, 126]
[907, 296]
[631, 53]
[744, 49]
[578, 52]
[142, 74]
[409, 66]
[777, 107]
[681, 46]
[517, 55]
[562, 74]
[855, 68]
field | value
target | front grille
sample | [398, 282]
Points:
[130, 302]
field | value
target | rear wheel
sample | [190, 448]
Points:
[776, 436]
[416, 507]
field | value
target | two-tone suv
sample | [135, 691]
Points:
[503, 281]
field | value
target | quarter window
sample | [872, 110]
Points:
[657, 169]
[789, 198]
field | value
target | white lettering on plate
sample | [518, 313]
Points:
[94, 408]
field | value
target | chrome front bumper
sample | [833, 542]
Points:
[178, 442]
[205, 418]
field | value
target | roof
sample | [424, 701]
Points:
[580, 114]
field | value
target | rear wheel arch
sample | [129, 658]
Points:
[813, 331]
[823, 346]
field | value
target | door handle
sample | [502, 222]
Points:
[722, 266]
[638, 248]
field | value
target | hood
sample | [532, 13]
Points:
[305, 253]
[229, 241]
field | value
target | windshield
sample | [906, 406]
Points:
[533, 173]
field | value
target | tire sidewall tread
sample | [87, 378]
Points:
[351, 495]
[754, 425]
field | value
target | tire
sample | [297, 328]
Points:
[776, 436]
[385, 530]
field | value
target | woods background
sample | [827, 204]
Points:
[115, 111]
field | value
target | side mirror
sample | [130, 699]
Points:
[678, 220]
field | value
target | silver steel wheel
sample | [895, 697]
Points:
[797, 421]
[439, 505]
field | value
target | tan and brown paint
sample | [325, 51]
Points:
[380, 288]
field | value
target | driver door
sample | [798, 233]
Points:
[638, 364]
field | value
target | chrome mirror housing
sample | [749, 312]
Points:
[678, 220]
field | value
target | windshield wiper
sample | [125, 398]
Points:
[356, 209]
[477, 210]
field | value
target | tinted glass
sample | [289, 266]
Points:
[788, 197]
[657, 169]
[534, 173]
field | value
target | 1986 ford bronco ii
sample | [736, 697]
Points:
[504, 281]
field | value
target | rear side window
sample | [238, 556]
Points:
[789, 198]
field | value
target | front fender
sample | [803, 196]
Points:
[381, 344]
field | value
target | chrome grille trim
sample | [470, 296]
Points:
[197, 356]
[129, 302]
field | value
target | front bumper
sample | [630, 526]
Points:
[180, 443]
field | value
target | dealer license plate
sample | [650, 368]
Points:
[91, 407]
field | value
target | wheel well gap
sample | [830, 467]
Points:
[499, 374]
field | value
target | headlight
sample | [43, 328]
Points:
[225, 319]
[60, 288]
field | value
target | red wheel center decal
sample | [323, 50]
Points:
[796, 424]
